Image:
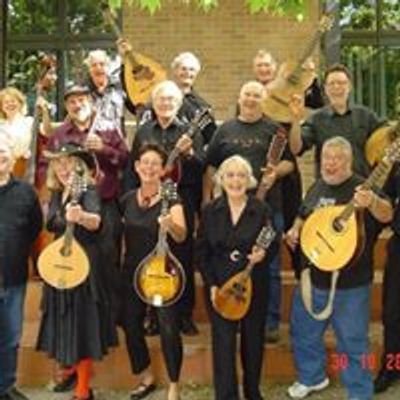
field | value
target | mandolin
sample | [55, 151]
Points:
[233, 299]
[141, 74]
[64, 264]
[333, 236]
[173, 167]
[379, 140]
[293, 78]
[274, 155]
[159, 279]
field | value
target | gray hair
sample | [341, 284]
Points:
[97, 54]
[186, 58]
[236, 159]
[167, 87]
[255, 84]
[340, 142]
[261, 53]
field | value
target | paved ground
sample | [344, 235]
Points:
[192, 392]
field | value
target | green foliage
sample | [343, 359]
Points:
[276, 7]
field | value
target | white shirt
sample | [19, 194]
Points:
[19, 131]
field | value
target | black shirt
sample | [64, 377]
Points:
[361, 272]
[356, 125]
[218, 238]
[20, 223]
[250, 140]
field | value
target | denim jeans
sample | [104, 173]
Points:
[349, 320]
[11, 317]
[274, 274]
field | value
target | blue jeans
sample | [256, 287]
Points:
[349, 320]
[274, 274]
[11, 317]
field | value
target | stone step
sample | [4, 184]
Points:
[114, 371]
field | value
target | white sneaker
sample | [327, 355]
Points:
[300, 391]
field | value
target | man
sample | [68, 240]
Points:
[337, 185]
[265, 67]
[389, 371]
[250, 135]
[21, 222]
[82, 127]
[169, 131]
[338, 118]
[105, 89]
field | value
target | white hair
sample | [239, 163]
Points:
[188, 59]
[340, 142]
[97, 54]
[169, 87]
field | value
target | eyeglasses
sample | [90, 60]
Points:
[151, 163]
[337, 83]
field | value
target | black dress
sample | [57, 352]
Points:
[77, 323]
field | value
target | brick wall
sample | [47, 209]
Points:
[225, 39]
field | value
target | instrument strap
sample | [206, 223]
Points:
[306, 294]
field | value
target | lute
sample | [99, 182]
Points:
[64, 263]
[233, 299]
[159, 279]
[333, 236]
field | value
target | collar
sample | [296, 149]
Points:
[331, 111]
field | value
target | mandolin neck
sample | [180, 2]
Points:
[68, 238]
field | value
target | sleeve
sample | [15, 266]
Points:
[55, 219]
[212, 156]
[91, 201]
[35, 217]
[308, 204]
[307, 135]
[204, 251]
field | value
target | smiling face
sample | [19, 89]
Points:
[11, 106]
[264, 68]
[335, 164]
[235, 180]
[63, 168]
[337, 88]
[79, 107]
[149, 167]
[250, 99]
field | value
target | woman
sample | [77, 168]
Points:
[141, 210]
[228, 231]
[76, 325]
[18, 127]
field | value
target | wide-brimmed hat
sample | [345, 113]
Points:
[72, 149]
[74, 88]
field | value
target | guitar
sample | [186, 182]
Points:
[159, 279]
[293, 79]
[64, 264]
[332, 236]
[26, 168]
[233, 299]
[379, 140]
[173, 167]
[141, 74]
[274, 154]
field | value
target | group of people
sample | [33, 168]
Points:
[229, 187]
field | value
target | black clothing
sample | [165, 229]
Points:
[356, 125]
[217, 239]
[77, 323]
[20, 223]
[356, 274]
[250, 140]
[141, 235]
[313, 95]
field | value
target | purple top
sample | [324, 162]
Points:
[112, 158]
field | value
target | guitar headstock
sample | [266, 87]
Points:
[168, 191]
[325, 23]
[201, 119]
[266, 236]
[79, 184]
[392, 153]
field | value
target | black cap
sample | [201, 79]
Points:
[74, 88]
[72, 149]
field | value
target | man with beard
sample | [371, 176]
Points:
[82, 127]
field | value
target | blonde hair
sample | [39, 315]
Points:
[54, 184]
[17, 95]
[240, 161]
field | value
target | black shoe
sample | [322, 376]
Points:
[66, 384]
[90, 397]
[151, 327]
[384, 380]
[13, 394]
[142, 391]
[188, 327]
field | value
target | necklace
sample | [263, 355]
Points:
[145, 200]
